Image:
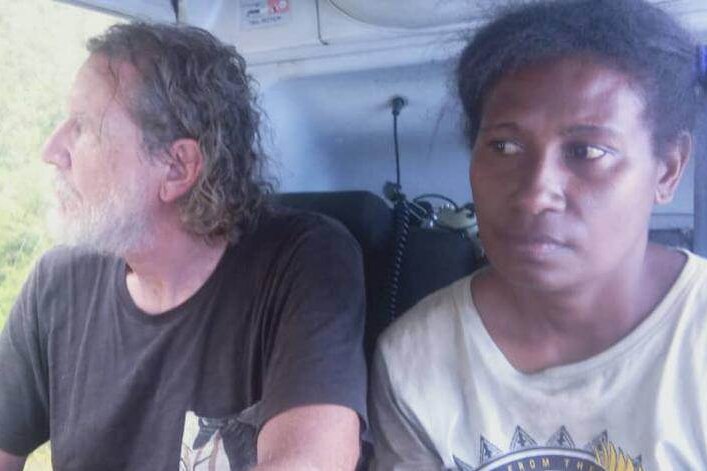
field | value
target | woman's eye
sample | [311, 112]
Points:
[506, 147]
[586, 152]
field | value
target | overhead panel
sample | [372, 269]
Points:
[420, 14]
[411, 14]
[285, 30]
[356, 20]
[255, 26]
[153, 10]
[351, 21]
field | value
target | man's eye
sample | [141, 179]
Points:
[77, 126]
[586, 152]
[506, 147]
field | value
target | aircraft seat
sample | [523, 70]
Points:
[432, 258]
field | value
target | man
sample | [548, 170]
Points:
[582, 345]
[189, 325]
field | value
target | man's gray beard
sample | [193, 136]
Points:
[118, 225]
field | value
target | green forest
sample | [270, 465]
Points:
[41, 46]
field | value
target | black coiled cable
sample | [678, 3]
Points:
[401, 214]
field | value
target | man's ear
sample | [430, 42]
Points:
[184, 166]
[671, 168]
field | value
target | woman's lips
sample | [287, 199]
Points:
[533, 245]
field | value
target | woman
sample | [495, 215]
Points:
[582, 345]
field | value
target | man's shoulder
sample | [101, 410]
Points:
[63, 257]
[63, 264]
[62, 279]
[283, 223]
[292, 243]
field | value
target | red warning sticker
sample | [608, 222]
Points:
[279, 6]
[263, 13]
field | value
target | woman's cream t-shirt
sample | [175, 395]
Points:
[445, 397]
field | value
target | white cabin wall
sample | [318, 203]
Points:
[349, 129]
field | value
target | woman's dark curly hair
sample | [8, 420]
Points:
[634, 36]
[193, 86]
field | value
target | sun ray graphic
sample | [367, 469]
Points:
[614, 459]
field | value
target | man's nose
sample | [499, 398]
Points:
[55, 150]
[542, 184]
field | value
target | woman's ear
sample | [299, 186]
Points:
[184, 166]
[671, 168]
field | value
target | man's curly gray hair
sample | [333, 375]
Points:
[191, 85]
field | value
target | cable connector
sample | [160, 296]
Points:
[393, 192]
[397, 103]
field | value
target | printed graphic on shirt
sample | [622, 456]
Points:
[223, 444]
[559, 453]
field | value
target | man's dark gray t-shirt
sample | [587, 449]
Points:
[277, 325]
